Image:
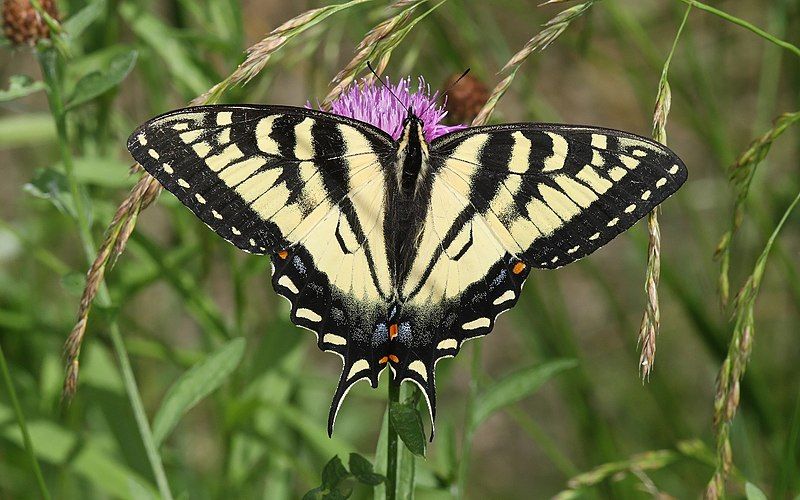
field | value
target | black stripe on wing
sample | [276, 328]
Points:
[207, 155]
[560, 191]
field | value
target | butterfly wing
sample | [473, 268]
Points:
[306, 188]
[510, 197]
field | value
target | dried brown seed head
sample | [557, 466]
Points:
[465, 99]
[22, 24]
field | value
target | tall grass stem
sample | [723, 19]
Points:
[51, 61]
[391, 443]
[23, 427]
[741, 22]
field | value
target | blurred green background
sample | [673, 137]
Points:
[180, 294]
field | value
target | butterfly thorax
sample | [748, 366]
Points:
[412, 156]
[406, 206]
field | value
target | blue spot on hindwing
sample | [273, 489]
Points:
[298, 264]
[380, 334]
[499, 278]
[404, 333]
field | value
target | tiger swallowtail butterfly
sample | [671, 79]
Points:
[395, 252]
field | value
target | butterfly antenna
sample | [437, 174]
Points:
[369, 65]
[449, 88]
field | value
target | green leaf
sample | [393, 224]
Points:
[97, 83]
[198, 382]
[89, 457]
[102, 171]
[165, 42]
[20, 86]
[314, 494]
[752, 492]
[361, 468]
[50, 185]
[515, 387]
[408, 423]
[336, 495]
[333, 474]
[77, 23]
[98, 370]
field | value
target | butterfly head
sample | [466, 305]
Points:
[412, 119]
[414, 132]
[413, 126]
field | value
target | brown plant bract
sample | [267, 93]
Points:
[465, 99]
[141, 196]
[651, 319]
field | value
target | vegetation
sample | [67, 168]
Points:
[184, 378]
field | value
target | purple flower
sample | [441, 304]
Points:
[373, 103]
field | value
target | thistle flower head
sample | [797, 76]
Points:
[373, 102]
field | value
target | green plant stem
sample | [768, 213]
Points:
[741, 22]
[391, 445]
[469, 428]
[23, 427]
[788, 475]
[735, 364]
[50, 62]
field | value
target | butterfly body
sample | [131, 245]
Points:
[395, 252]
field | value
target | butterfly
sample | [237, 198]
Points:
[396, 252]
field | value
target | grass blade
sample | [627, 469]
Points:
[26, 437]
[97, 83]
[198, 382]
[515, 387]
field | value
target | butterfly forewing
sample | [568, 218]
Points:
[555, 193]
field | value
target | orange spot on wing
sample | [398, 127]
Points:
[392, 331]
[519, 267]
[283, 254]
[394, 359]
[383, 360]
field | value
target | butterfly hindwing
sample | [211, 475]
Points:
[306, 188]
